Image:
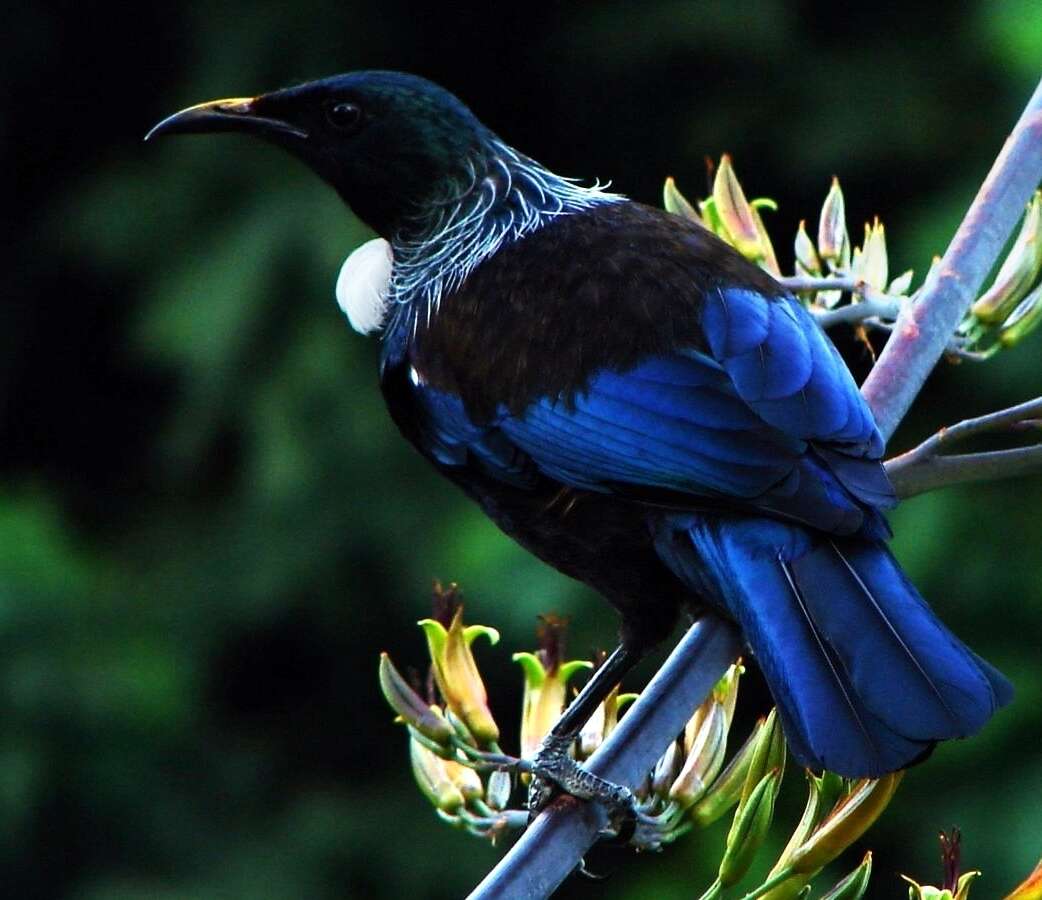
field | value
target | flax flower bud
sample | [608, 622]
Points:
[832, 228]
[410, 707]
[851, 817]
[457, 674]
[546, 680]
[872, 266]
[706, 750]
[726, 790]
[736, 214]
[1023, 320]
[500, 786]
[602, 722]
[676, 203]
[853, 887]
[432, 775]
[807, 262]
[1019, 270]
[749, 828]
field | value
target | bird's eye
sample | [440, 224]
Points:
[344, 116]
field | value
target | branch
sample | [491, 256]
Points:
[925, 328]
[878, 306]
[554, 844]
[925, 468]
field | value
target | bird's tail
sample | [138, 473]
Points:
[866, 678]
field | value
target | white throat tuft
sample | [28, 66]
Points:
[362, 287]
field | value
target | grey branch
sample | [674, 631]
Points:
[874, 306]
[557, 840]
[927, 467]
[925, 327]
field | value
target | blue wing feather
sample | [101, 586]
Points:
[738, 421]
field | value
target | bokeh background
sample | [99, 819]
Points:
[208, 526]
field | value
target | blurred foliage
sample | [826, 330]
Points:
[208, 527]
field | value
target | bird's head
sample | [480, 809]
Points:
[391, 144]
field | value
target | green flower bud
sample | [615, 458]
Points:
[853, 887]
[1019, 270]
[768, 753]
[820, 798]
[676, 203]
[432, 775]
[749, 828]
[807, 262]
[1023, 320]
[409, 706]
[726, 790]
[769, 261]
[849, 819]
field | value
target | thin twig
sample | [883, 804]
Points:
[820, 283]
[881, 307]
[925, 468]
[944, 471]
[925, 327]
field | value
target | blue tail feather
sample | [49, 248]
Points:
[866, 678]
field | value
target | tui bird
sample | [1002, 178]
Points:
[637, 405]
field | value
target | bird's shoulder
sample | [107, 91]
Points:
[601, 289]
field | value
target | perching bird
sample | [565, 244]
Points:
[636, 404]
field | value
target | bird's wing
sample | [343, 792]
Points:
[767, 415]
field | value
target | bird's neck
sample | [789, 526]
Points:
[500, 197]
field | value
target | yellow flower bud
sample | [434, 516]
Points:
[432, 775]
[871, 265]
[850, 818]
[544, 697]
[456, 673]
[736, 214]
[705, 756]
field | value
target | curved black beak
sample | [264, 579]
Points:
[234, 114]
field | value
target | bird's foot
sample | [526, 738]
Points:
[554, 771]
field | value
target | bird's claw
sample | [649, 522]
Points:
[554, 771]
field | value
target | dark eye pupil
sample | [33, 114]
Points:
[344, 115]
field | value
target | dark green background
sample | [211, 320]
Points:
[208, 526]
